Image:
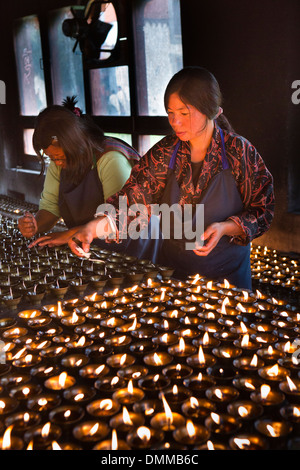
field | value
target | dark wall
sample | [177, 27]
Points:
[11, 140]
[253, 49]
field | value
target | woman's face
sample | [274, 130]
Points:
[187, 122]
[56, 154]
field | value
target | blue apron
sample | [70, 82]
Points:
[221, 200]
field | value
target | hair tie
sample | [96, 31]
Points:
[69, 102]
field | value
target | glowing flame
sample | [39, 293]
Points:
[291, 384]
[62, 379]
[215, 417]
[245, 341]
[123, 359]
[259, 294]
[205, 340]
[6, 442]
[126, 417]
[74, 318]
[273, 371]
[242, 411]
[132, 327]
[157, 359]
[194, 403]
[167, 409]
[67, 414]
[144, 433]
[210, 446]
[225, 302]
[273, 430]
[79, 396]
[201, 357]
[163, 293]
[241, 443]
[45, 430]
[296, 412]
[93, 297]
[196, 279]
[99, 369]
[59, 310]
[164, 338]
[264, 391]
[26, 391]
[114, 380]
[240, 308]
[254, 361]
[81, 341]
[111, 321]
[243, 327]
[218, 393]
[55, 446]
[106, 404]
[114, 440]
[42, 402]
[130, 387]
[246, 296]
[94, 429]
[28, 358]
[190, 428]
[181, 345]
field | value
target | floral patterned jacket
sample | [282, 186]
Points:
[254, 182]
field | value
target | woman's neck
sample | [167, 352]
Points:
[200, 144]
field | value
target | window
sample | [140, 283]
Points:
[29, 62]
[27, 137]
[147, 141]
[158, 51]
[123, 90]
[66, 66]
[110, 91]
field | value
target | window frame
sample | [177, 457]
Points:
[135, 124]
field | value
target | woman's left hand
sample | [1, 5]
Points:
[211, 235]
[53, 239]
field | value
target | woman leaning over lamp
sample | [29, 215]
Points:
[205, 163]
[85, 169]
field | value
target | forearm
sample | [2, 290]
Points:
[45, 220]
[231, 229]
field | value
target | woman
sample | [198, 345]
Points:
[85, 169]
[206, 163]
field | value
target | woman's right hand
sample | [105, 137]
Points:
[86, 234]
[27, 225]
[83, 236]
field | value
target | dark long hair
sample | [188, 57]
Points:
[79, 137]
[198, 87]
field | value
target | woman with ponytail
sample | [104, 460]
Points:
[85, 168]
[205, 166]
